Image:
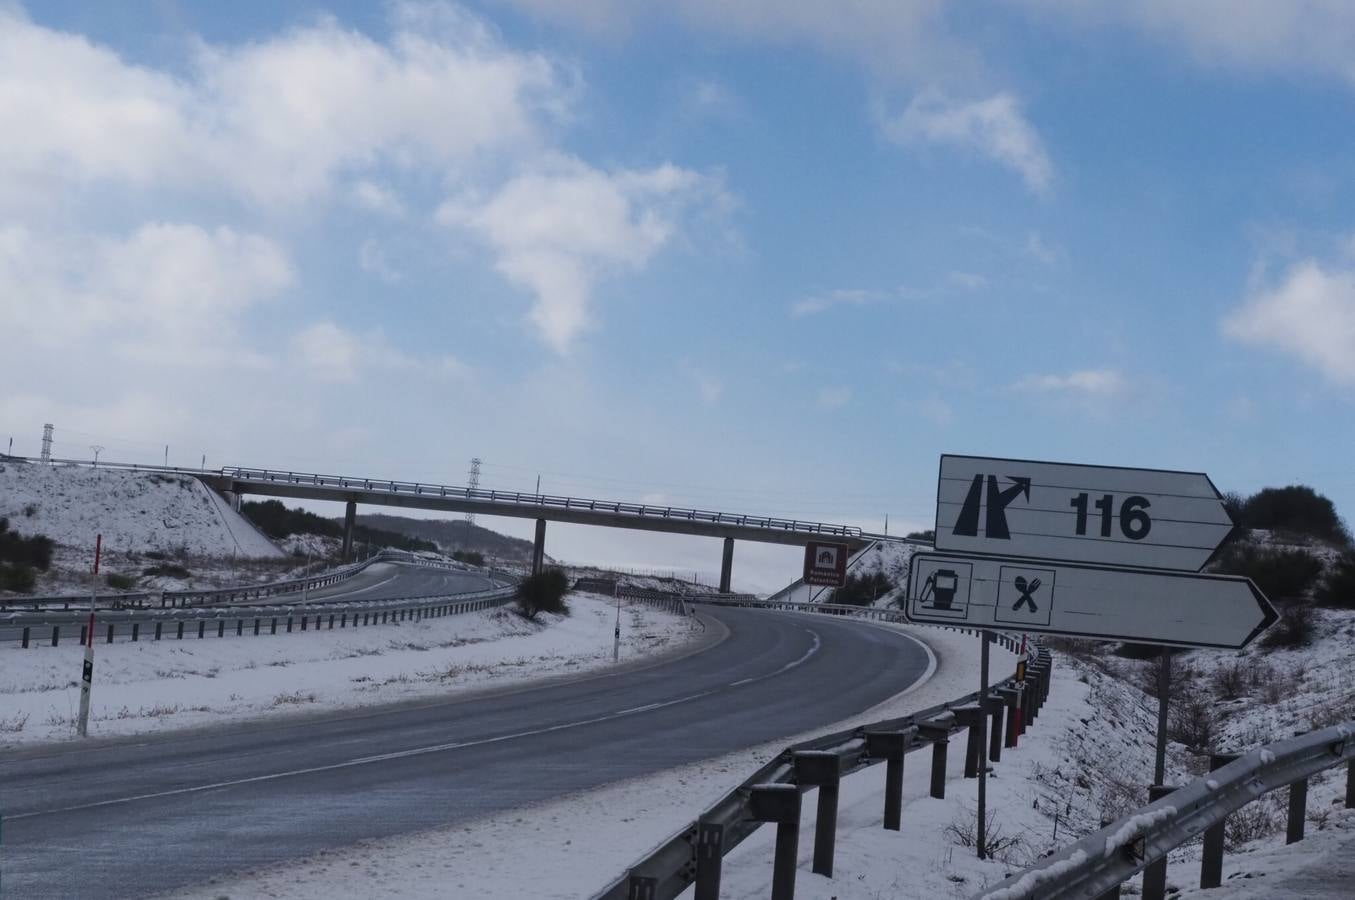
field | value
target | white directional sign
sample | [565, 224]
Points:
[1146, 518]
[1151, 607]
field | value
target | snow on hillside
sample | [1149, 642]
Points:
[134, 511]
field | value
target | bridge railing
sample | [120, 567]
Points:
[1095, 865]
[694, 855]
[518, 498]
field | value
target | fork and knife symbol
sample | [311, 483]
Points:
[1026, 588]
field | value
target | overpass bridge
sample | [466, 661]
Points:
[235, 482]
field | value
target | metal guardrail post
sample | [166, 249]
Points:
[824, 771]
[996, 707]
[642, 888]
[971, 717]
[780, 803]
[892, 747]
[1155, 873]
[710, 853]
[1211, 860]
[938, 785]
[25, 637]
[1298, 809]
[1113, 893]
[56, 634]
[84, 634]
[1012, 698]
[1350, 784]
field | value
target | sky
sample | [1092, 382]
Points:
[767, 257]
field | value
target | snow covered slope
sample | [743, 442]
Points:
[134, 511]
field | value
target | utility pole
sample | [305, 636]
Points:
[97, 448]
[47, 444]
[166, 456]
[616, 639]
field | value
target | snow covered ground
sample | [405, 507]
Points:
[152, 686]
[545, 850]
[1087, 757]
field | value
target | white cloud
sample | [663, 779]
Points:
[970, 281]
[1101, 384]
[1309, 314]
[372, 258]
[894, 37]
[834, 397]
[557, 231]
[839, 297]
[330, 353]
[278, 121]
[1311, 35]
[374, 198]
[166, 291]
[1041, 250]
[994, 127]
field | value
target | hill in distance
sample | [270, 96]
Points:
[452, 534]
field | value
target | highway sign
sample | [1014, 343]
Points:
[826, 564]
[1150, 607]
[1145, 518]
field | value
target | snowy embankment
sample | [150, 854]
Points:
[153, 686]
[572, 847]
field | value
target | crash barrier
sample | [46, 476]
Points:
[226, 595]
[694, 856]
[253, 621]
[1096, 865]
[878, 614]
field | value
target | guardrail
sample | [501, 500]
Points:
[218, 596]
[253, 621]
[1097, 864]
[694, 856]
[874, 613]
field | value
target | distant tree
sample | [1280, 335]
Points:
[1338, 588]
[278, 522]
[543, 592]
[469, 557]
[1281, 574]
[928, 535]
[1297, 508]
[862, 590]
[21, 558]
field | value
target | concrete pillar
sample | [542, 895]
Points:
[727, 566]
[539, 548]
[232, 499]
[350, 515]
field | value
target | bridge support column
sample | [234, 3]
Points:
[539, 548]
[350, 515]
[727, 566]
[233, 499]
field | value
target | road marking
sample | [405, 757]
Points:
[417, 751]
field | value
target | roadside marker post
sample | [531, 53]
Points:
[87, 673]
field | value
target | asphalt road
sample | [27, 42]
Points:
[130, 817]
[380, 582]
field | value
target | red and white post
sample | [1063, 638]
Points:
[87, 676]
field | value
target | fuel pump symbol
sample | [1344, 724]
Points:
[942, 584]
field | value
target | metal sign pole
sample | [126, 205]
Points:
[981, 840]
[1164, 677]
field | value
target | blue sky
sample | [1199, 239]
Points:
[762, 256]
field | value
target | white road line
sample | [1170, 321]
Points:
[417, 751]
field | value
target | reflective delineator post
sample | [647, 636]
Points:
[87, 674]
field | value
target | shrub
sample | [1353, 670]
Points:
[20, 579]
[543, 592]
[1191, 719]
[1280, 574]
[469, 557]
[20, 557]
[862, 590]
[119, 582]
[1338, 588]
[1296, 627]
[169, 570]
[1295, 508]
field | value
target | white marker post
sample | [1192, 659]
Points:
[616, 640]
[87, 676]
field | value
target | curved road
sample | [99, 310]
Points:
[130, 817]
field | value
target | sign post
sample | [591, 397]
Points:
[87, 673]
